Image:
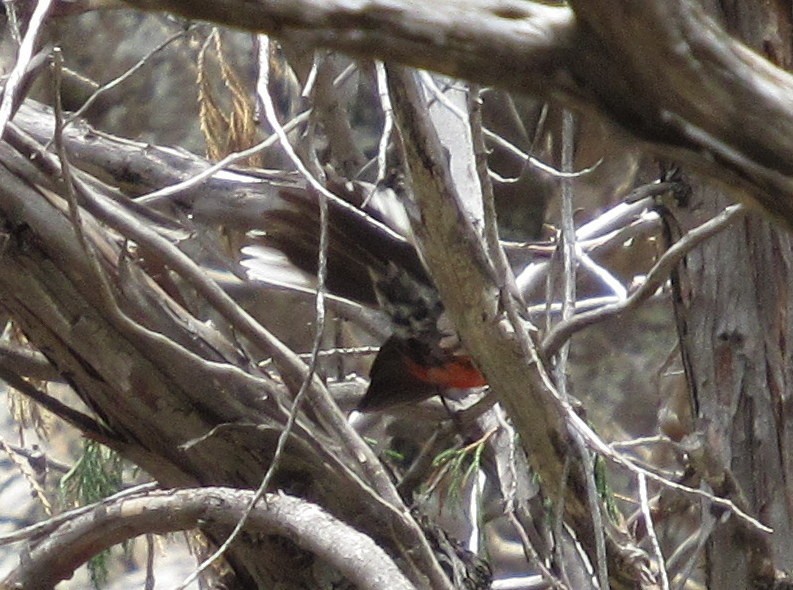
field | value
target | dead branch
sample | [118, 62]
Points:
[72, 542]
[680, 83]
[470, 293]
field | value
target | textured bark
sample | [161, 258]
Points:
[661, 69]
[160, 382]
[60, 549]
[739, 319]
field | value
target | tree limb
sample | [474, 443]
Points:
[55, 556]
[468, 287]
[662, 70]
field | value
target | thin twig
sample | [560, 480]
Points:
[31, 454]
[557, 522]
[353, 351]
[646, 222]
[650, 527]
[656, 278]
[388, 122]
[568, 246]
[707, 526]
[13, 20]
[272, 119]
[429, 82]
[635, 205]
[17, 75]
[531, 554]
[555, 307]
[87, 425]
[155, 197]
[640, 441]
[126, 75]
[165, 193]
[150, 580]
[595, 504]
[35, 486]
[495, 252]
[597, 445]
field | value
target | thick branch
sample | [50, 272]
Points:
[467, 284]
[669, 74]
[73, 542]
[468, 38]
[661, 69]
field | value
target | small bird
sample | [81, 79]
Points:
[423, 357]
[370, 263]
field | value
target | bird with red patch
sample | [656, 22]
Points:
[370, 263]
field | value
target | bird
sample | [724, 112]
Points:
[372, 264]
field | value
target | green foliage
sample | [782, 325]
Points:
[604, 489]
[455, 466]
[95, 476]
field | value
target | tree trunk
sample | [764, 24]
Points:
[739, 321]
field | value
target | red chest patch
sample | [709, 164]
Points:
[458, 372]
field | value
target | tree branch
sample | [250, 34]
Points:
[468, 287]
[655, 279]
[447, 37]
[72, 543]
[665, 73]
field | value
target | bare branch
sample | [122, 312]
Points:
[439, 36]
[11, 91]
[650, 526]
[513, 367]
[96, 528]
[686, 112]
[657, 276]
[85, 424]
[107, 86]
[37, 491]
[26, 362]
[43, 528]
